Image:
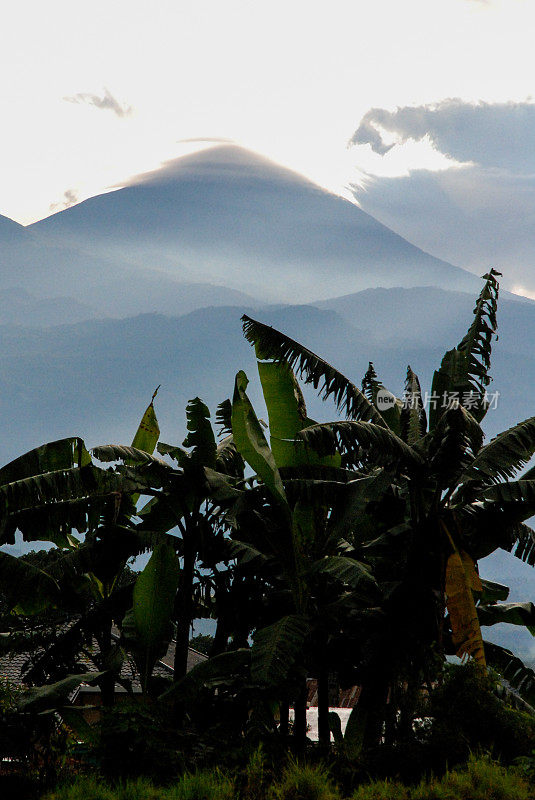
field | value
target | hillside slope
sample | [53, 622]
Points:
[230, 217]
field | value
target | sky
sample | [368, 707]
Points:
[93, 94]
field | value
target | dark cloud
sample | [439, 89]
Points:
[70, 198]
[107, 102]
[491, 134]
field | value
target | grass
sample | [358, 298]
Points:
[202, 785]
[82, 789]
[301, 781]
[481, 779]
[255, 776]
[382, 790]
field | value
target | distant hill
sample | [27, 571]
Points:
[19, 307]
[436, 315]
[96, 377]
[227, 216]
[78, 281]
[43, 269]
[193, 246]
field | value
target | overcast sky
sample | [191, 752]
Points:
[94, 93]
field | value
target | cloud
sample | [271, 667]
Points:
[368, 132]
[480, 212]
[472, 216]
[70, 198]
[521, 290]
[490, 134]
[208, 140]
[106, 102]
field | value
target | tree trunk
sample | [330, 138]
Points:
[300, 718]
[185, 610]
[324, 733]
[372, 702]
[107, 683]
[219, 644]
[284, 712]
[391, 716]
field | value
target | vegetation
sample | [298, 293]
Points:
[343, 551]
[303, 781]
[481, 779]
[202, 642]
[469, 716]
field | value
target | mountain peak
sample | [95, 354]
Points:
[9, 226]
[223, 161]
[228, 216]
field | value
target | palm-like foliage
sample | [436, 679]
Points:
[271, 344]
[49, 494]
[448, 484]
[289, 535]
[349, 546]
[186, 498]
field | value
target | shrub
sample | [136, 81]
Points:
[382, 790]
[140, 789]
[404, 761]
[482, 779]
[304, 782]
[468, 716]
[203, 785]
[85, 788]
[35, 747]
[82, 789]
[526, 766]
[138, 739]
[255, 776]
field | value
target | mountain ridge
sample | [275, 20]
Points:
[228, 216]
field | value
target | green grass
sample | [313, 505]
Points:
[198, 786]
[140, 789]
[482, 779]
[382, 790]
[255, 777]
[201, 786]
[82, 789]
[93, 789]
[301, 781]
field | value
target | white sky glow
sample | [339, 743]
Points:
[290, 80]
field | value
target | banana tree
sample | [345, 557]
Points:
[85, 578]
[289, 534]
[456, 502]
[49, 494]
[185, 500]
